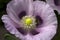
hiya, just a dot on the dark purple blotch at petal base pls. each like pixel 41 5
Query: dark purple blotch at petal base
pixel 43 0
pixel 57 2
pixel 21 14
pixel 34 0
pixel 34 32
pixel 22 31
pixel 40 0
pixel 39 20
pixel 25 32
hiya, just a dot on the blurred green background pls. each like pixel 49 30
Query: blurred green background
pixel 5 35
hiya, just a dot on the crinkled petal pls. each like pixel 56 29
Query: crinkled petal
pixel 29 7
pixel 45 12
pixel 53 5
pixel 14 8
pixel 10 26
pixel 47 33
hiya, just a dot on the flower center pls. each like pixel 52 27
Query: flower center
pixel 28 22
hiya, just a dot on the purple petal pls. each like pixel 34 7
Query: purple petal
pixel 11 27
pixel 45 12
pixel 30 7
pixel 14 8
pixel 55 4
pixel 47 33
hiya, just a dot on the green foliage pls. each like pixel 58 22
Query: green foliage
pixel 9 37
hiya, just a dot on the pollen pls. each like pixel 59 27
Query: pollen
pixel 28 21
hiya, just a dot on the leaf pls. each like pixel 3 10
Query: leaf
pixel 9 37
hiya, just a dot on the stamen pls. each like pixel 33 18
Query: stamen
pixel 28 22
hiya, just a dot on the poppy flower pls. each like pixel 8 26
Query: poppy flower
pixel 55 4
pixel 30 20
